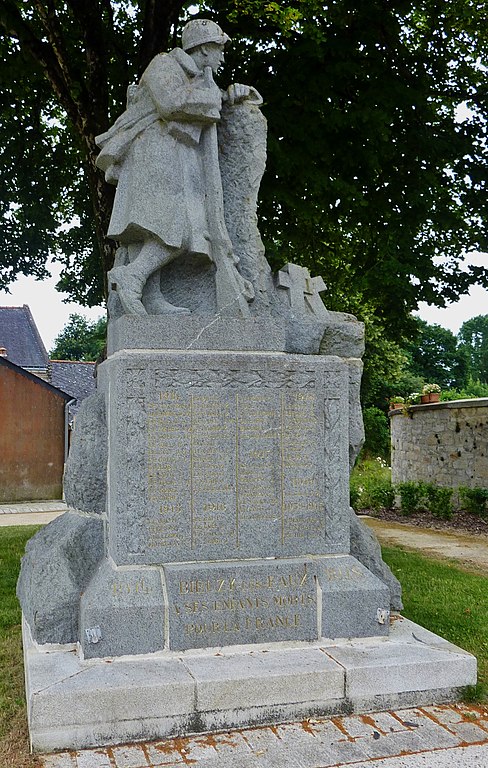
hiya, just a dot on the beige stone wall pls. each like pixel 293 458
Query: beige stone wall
pixel 445 443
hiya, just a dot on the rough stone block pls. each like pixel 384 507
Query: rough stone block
pixel 56 568
pixel 122 612
pixel 354 602
pixel 396 668
pixel 365 547
pixel 80 704
pixel 85 477
pixel 218 604
pixel 344 336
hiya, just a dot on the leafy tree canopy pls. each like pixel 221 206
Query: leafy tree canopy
pixel 473 337
pixel 80 339
pixel 373 180
pixel 436 357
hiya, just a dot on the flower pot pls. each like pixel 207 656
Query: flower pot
pixel 395 406
pixel 431 397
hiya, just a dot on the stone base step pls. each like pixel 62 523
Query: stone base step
pixel 75 704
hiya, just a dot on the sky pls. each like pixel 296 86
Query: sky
pixel 46 304
pixel 51 313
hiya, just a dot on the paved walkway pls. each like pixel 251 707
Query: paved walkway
pixel 31 512
pixel 453 736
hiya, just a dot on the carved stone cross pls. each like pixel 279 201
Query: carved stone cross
pixel 303 290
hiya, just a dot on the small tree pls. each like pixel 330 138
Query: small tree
pixel 80 339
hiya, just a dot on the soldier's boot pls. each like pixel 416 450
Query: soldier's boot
pixel 130 280
pixel 129 287
pixel 154 301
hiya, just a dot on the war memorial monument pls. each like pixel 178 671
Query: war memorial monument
pixel 210 572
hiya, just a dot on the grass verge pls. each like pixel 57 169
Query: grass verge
pixel 14 740
pixel 448 600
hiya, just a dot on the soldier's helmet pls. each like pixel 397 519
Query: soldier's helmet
pixel 201 31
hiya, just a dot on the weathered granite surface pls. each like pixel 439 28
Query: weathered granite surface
pixel 354 602
pixel 58 563
pixel 80 704
pixel 366 548
pixel 122 612
pixel 85 475
pixel 208 477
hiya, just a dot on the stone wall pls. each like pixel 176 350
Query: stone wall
pixel 442 443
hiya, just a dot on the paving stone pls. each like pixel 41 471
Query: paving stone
pixel 469 732
pixel 467 757
pixel 200 748
pixel 403 742
pixel 386 722
pixel 364 740
pixel 324 746
pixel 445 715
pixel 476 713
pixel 339 753
pixel 267 748
pixel 324 730
pixel 93 758
pixel 238 761
pixel 411 716
pixel 63 760
pixel 436 736
pixel 163 753
pixel 130 757
pixel 358 726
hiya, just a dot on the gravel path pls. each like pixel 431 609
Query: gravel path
pixel 470 551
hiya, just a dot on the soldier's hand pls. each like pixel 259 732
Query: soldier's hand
pixel 237 93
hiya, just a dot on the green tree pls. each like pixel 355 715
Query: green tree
pixel 371 175
pixel 435 356
pixel 473 338
pixel 80 339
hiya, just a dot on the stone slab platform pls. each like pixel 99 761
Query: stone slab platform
pixel 75 704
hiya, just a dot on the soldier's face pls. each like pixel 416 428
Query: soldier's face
pixel 214 55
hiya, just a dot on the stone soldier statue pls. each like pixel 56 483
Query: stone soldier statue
pixel 162 155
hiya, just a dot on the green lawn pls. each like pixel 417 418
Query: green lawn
pixel 437 595
pixel 447 600
pixel 14 751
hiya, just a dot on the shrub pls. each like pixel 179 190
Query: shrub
pixel 474 500
pixel 439 501
pixel 411 495
pixel 377 433
pixel 371 485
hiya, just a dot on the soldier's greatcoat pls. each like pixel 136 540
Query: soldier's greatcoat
pixel 153 153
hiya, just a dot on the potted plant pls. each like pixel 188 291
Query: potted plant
pixel 396 402
pixel 413 398
pixel 431 393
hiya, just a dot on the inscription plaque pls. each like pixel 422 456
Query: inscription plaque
pixel 218 604
pixel 230 461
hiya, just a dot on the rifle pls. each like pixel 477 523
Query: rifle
pixel 233 291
